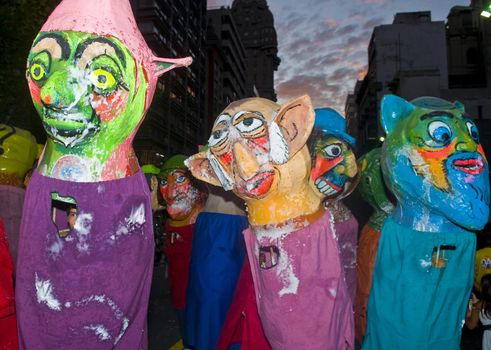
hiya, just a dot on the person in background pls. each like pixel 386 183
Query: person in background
pixel 159 215
pixel 184 197
pixel 480 311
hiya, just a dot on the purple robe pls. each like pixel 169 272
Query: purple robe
pixel 347 233
pixel 86 287
pixel 302 301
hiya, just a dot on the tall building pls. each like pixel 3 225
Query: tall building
pixel 256 27
pixel 226 79
pixel 174 123
pixel 407 58
pixel 415 56
pixel 469 65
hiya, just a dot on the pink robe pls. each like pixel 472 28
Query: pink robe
pixel 303 301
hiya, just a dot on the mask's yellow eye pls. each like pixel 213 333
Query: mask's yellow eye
pixel 37 71
pixel 103 80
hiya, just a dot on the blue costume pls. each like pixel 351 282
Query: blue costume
pixel 433 163
pixel 412 304
pixel 216 260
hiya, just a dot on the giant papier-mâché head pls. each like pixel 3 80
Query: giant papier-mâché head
pixel 182 193
pixel 432 159
pixel 334 171
pixel 92 77
pixel 18 151
pixel 371 186
pixel 257 148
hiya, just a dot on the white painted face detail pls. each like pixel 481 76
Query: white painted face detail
pixel 278 152
pixel 226 181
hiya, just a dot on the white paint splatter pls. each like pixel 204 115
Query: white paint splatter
pixel 100 189
pixel 126 322
pixel 425 263
pixel 286 274
pixel 99 330
pixel 134 220
pixel 333 292
pixel 56 248
pixel 137 216
pixel 83 225
pixel 44 293
pixel 274 232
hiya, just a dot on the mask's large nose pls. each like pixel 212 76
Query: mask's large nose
pixel 247 164
pixel 62 91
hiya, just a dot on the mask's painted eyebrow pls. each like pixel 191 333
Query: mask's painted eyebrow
pixel 44 43
pixel 83 46
pixel 436 114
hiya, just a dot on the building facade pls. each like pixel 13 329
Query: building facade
pixel 255 23
pixel 175 122
pixel 415 56
pixel 226 78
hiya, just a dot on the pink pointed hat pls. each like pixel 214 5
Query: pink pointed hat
pixel 112 18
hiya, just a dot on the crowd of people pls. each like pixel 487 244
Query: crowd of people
pixel 261 251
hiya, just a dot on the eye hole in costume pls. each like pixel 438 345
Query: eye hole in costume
pixel 268 257
pixel 440 132
pixel 163 182
pixel 473 131
pixel 63 213
pixel 333 151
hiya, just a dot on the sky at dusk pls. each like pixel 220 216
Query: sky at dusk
pixel 323 43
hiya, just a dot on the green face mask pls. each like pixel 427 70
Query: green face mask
pixel 90 95
pixel 372 188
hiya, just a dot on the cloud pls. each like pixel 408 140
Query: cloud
pixel 373 22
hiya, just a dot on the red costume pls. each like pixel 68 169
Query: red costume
pixel 177 250
pixel 242 325
pixel 8 323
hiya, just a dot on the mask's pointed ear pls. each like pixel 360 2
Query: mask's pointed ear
pixel 393 108
pixel 200 167
pixel 291 128
pixel 460 106
pixel 163 65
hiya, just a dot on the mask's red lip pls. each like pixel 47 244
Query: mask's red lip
pixel 469 166
pixel 258 185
